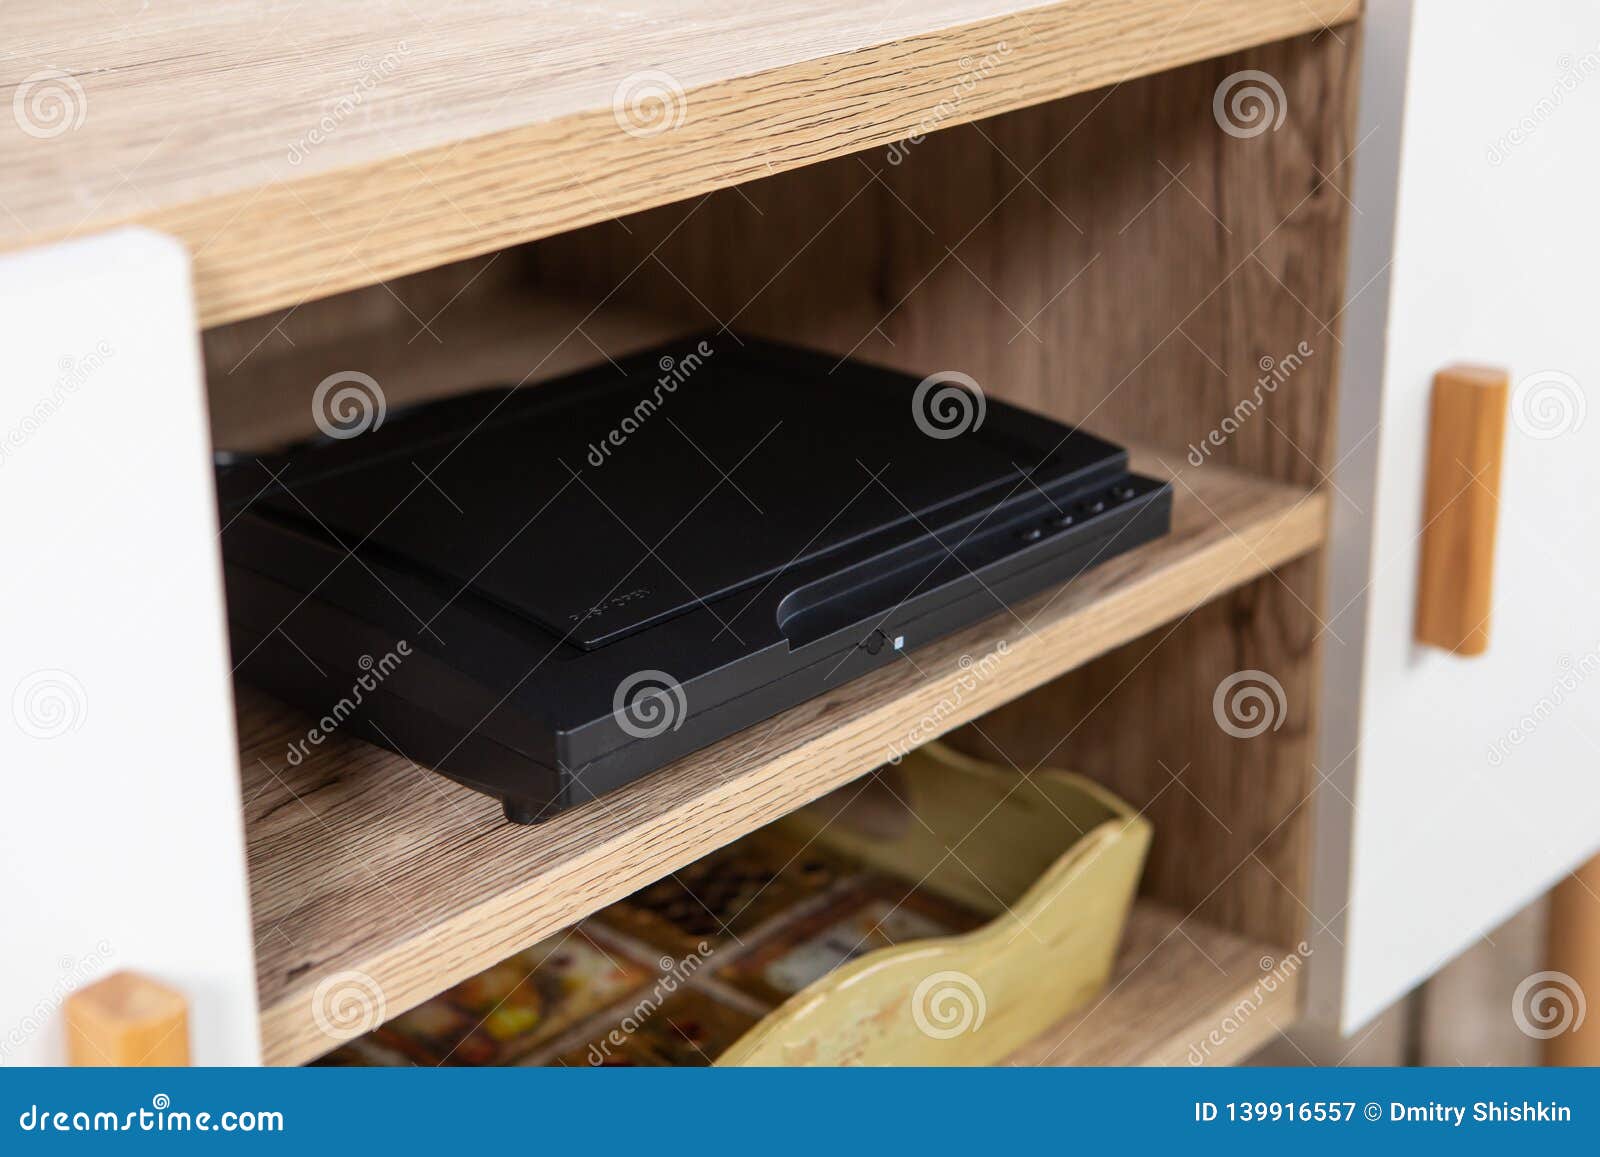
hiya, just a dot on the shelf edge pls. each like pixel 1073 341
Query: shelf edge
pixel 1183 993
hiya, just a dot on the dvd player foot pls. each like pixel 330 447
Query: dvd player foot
pixel 522 811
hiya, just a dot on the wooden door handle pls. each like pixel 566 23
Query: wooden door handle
pixel 1466 441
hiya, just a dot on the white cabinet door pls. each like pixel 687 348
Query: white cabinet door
pixel 1460 788
pixel 121 841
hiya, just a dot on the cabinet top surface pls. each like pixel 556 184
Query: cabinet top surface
pixel 123 104
pixel 226 119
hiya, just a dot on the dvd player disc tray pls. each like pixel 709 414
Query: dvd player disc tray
pixel 546 593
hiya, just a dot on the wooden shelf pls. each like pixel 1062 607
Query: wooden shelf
pixel 360 861
pixel 1183 993
pixel 303 153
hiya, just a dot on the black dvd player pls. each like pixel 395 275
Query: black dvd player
pixel 546 593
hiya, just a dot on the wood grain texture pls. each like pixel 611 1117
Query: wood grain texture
pixel 261 379
pixel 362 862
pixel 1461 508
pixel 1230 807
pixel 127 1020
pixel 1148 313
pixel 304 152
pixel 1182 993
pixel 1116 259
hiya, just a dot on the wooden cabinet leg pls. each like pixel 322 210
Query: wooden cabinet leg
pixel 127 1019
pixel 1573 948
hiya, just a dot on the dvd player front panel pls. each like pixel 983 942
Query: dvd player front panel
pixel 713 706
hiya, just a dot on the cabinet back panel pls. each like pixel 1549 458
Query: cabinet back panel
pixel 1115 258
pixel 1228 801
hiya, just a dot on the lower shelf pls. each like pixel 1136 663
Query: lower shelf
pixel 368 871
pixel 1183 993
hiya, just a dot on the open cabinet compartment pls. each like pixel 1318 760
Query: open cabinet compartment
pixel 1114 259
pixel 848 933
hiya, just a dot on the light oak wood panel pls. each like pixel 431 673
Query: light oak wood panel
pixel 361 862
pixel 262 373
pixel 1228 792
pixel 1114 258
pixel 1183 993
pixel 304 152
